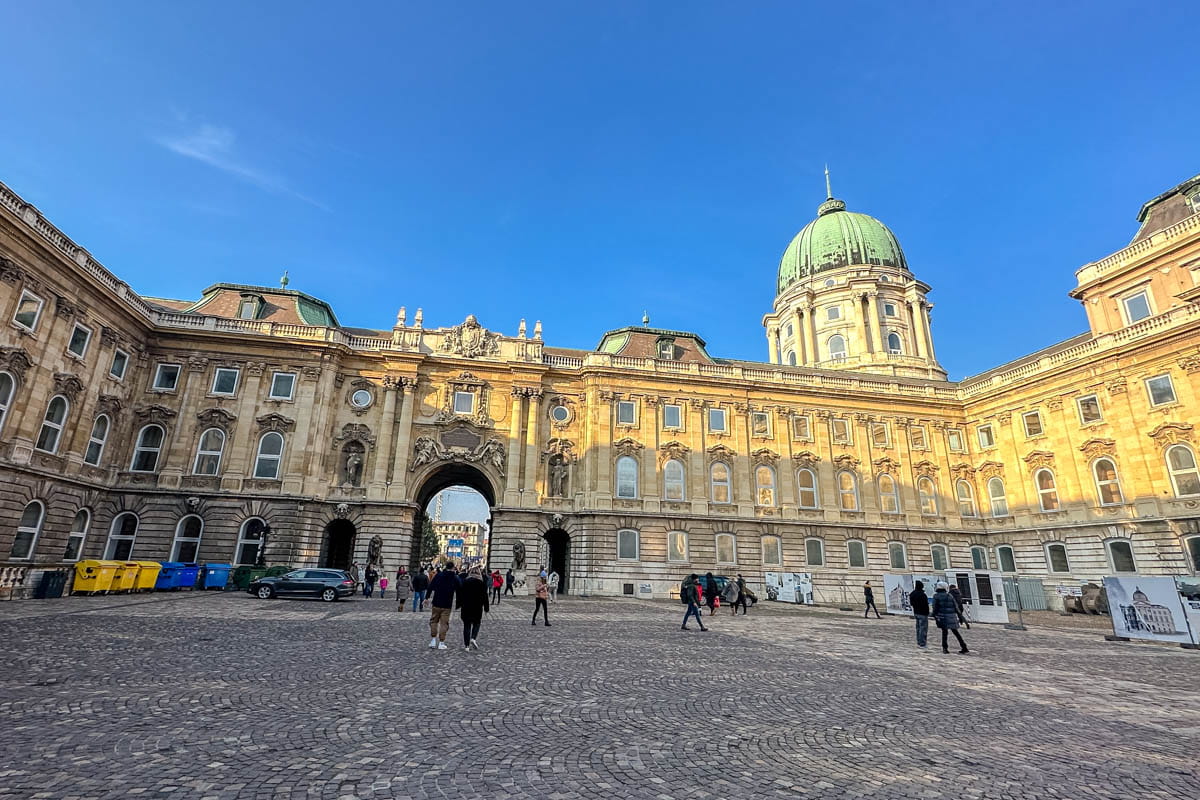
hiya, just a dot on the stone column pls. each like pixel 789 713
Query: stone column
pixel 773 345
pixel 697 463
pixel 604 465
pixel 800 339
pixel 860 316
pixel 877 340
pixel 915 315
pixel 383 454
pixel 512 470
pixel 743 469
pixel 529 494
pixel 926 327
pixel 407 389
pixel 810 337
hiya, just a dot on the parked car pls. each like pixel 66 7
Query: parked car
pixel 327 584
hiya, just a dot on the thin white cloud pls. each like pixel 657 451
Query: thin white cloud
pixel 214 145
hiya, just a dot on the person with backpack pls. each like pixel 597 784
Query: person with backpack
pixel 690 596
pixel 958 601
pixel 945 613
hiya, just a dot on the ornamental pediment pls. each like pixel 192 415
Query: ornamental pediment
pixel 1096 447
pixel 470 339
pixel 1171 433
pixel 1039 458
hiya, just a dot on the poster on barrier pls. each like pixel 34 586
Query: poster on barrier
pixel 789 587
pixel 1189 594
pixel 1144 607
pixel 897 588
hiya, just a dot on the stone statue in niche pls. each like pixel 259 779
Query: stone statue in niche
pixel 352 463
pixel 558 476
pixel 375 551
pixel 518 559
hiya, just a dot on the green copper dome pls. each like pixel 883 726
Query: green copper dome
pixel 838 238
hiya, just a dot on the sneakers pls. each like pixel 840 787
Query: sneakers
pixel 474 645
pixel 466 648
pixel 433 643
pixel 441 646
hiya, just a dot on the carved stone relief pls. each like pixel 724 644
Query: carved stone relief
pixel 470 339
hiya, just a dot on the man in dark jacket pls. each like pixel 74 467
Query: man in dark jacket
pixel 945 613
pixel 689 595
pixel 958 602
pixel 509 580
pixel 472 604
pixel 920 606
pixel 420 585
pixel 869 596
pixel 442 591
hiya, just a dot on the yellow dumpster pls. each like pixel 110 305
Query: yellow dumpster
pixel 93 577
pixel 147 575
pixel 126 576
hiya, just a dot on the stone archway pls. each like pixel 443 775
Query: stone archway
pixel 445 476
pixel 337 546
pixel 558 548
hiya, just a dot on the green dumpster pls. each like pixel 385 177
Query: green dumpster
pixel 244 575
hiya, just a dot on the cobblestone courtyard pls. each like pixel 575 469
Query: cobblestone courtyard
pixel 222 696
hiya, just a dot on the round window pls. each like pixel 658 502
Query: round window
pixel 560 413
pixel 361 398
pixel 830 282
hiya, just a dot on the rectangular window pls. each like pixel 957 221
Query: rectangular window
pixel 857 553
pixel 772 548
pixel 677 549
pixel 1137 307
pixel 119 364
pixel 978 558
pixel 801 427
pixel 833 312
pixel 1089 409
pixel 897 556
pixel 954 440
pixel 1033 424
pixel 29 311
pixel 726 549
pixel 166 377
pixel 889 309
pixel 716 420
pixel 879 434
pixel 986 437
pixel 1006 558
pixel 283 384
pixel 760 424
pixel 225 381
pixel 1162 391
pixel 626 412
pixel 80 337
pixel 672 416
pixel 814 552
pixel 464 402
pixel 840 429
pixel 917 435
pixel 627 545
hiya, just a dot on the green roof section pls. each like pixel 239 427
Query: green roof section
pixel 838 238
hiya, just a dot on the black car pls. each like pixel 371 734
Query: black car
pixel 327 584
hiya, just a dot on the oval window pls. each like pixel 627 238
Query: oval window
pixel 560 414
pixel 361 398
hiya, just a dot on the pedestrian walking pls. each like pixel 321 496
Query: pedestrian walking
pixel 920 606
pixel 369 584
pixel 404 588
pixel 710 593
pixel 742 594
pixel 689 594
pixel 356 572
pixel 869 597
pixel 383 584
pixel 945 614
pixel 420 587
pixel 472 605
pixel 443 590
pixel 730 595
pixel 497 581
pixel 552 581
pixel 542 593
pixel 958 603
pixel 509 580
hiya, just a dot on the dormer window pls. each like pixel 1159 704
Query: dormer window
pixel 249 307
pixel 666 348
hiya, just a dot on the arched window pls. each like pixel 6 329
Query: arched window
pixel 927 495
pixel 764 485
pixel 978 557
pixel 856 552
pixel 1181 464
pixel 250 539
pixel 1108 487
pixel 1056 557
pixel 677 546
pixel 772 551
pixel 120 537
pixel 208 452
pixel 837 347
pixel 897 555
pixel 966 499
pixel 847 490
pixel 726 548
pixel 889 498
pixel 78 534
pixel 1120 555
pixel 893 342
pixel 270 454
pixel 997 497
pixel 814 552
pixel 806 480
pixel 187 539
pixel 28 528
pixel 6 393
pixel 149 445
pixel 627 545
pixel 627 477
pixel 1047 492
pixel 95 448
pixel 719 478
pixel 52 424
pixel 1192 546
pixel 1006 558
pixel 791 357
pixel 941 557
pixel 673 479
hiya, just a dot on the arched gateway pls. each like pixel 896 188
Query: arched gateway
pixel 445 476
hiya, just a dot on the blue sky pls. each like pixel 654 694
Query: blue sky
pixel 579 163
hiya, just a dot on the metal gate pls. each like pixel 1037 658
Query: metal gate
pixel 1033 595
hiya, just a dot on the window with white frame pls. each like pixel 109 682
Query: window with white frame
pixel 889 497
pixel 95 446
pixel 1108 485
pixel 673 416
pixel 893 344
pixel 837 347
pixel 1192 546
pixel 1137 307
pixel 166 377
pixel 941 557
pixel 1089 409
pixel 847 490
pixel 1120 555
pixel 1047 491
pixel 1181 466
pixel 806 482
pixel 760 424
pixel 987 438
pixel 120 362
pixel 927 496
pixel 250 539
pixel 225 380
pixel 627 477
pixel 965 493
pixel 186 547
pixel 718 475
pixel 270 456
pixel 856 553
pixel 81 336
pixel 121 535
pixel 916 435
pixel 716 420
pixel 897 555
pixel 814 552
pixel 283 386
pixel 1033 423
pixel 833 312
pixel 77 535
pixel 52 425
pixel 764 485
pixel 954 440
pixel 978 557
pixel 889 309
pixel 464 402
pixel 627 545
pixel 1006 558
pixel 1056 557
pixel 7 384
pixel 840 430
pixel 726 548
pixel 148 448
pixel 677 546
pixel 626 412
pixel 208 452
pixel 879 435
pixel 802 427
pixel 673 479
pixel 248 308
pixel 29 311
pixel 1161 390
pixel 997 497
pixel 772 551
pixel 28 528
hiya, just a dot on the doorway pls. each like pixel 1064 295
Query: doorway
pixel 339 544
pixel 454 518
pixel 559 544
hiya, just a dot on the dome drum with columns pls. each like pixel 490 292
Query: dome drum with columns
pixel 847 300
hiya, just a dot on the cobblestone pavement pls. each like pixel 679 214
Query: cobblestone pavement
pixel 225 696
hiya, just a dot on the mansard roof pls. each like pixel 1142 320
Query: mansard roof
pixel 278 305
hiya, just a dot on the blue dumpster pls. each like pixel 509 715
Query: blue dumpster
pixel 215 576
pixel 168 577
pixel 188 575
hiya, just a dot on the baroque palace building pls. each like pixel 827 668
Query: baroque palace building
pixel 250 419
